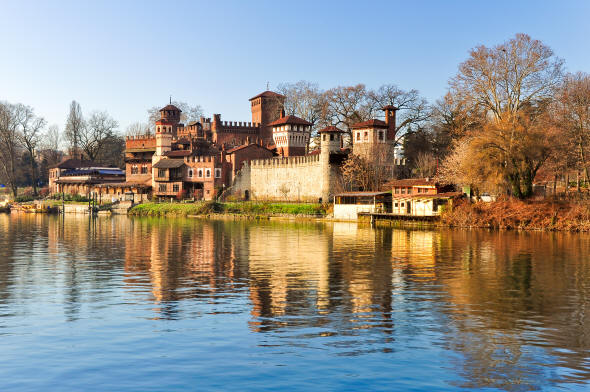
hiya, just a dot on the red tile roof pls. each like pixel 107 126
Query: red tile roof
pixel 232 150
pixel 170 107
pixel 331 129
pixel 267 94
pixel 290 120
pixel 178 153
pixel 374 123
pixel 411 182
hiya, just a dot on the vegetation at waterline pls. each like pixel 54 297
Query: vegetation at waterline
pixel 238 208
pixel 511 213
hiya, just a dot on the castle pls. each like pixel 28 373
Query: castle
pixel 267 158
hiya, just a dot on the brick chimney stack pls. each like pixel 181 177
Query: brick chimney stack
pixel 390 111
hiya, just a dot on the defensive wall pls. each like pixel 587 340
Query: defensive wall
pixel 298 178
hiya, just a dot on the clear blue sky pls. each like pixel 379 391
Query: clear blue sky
pixel 126 56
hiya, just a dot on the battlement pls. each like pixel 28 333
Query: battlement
pixel 141 137
pixel 285 161
pixel 142 141
pixel 236 125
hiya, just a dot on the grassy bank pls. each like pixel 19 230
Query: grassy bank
pixel 517 214
pixel 244 208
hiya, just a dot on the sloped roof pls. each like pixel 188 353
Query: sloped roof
pixel 169 164
pixel 178 153
pixel 411 182
pixel 267 94
pixel 232 150
pixel 170 107
pixel 290 120
pixel 331 129
pixel 374 123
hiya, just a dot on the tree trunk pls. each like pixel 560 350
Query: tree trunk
pixel 567 183
pixel 33 173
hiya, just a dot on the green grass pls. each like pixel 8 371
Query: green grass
pixel 243 208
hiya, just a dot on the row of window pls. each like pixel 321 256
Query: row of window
pixel 191 173
pixel 291 138
pixel 135 169
pixel 366 136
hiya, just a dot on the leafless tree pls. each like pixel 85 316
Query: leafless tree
pixel 97 133
pixel 138 129
pixel 425 165
pixel 9 145
pixel 413 109
pixel 347 105
pixel 75 126
pixel 572 111
pixel 29 135
pixel 508 77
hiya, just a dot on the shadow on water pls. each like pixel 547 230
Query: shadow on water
pixel 502 310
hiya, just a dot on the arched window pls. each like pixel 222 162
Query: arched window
pixel 200 173
pixel 190 173
pixel 358 136
pixel 208 173
pixel 157 129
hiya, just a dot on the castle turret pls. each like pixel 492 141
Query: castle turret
pixel 390 112
pixel 163 137
pixel 330 146
pixel 291 135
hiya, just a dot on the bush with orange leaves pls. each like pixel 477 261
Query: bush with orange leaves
pixel 512 213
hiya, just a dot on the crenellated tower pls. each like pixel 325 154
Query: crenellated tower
pixel 266 107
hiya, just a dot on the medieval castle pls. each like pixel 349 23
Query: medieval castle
pixel 265 159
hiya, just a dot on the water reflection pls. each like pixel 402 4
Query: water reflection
pixel 502 310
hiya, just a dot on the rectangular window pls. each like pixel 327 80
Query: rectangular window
pixel 397 190
pixel 381 135
pixel 175 188
pixel 358 136
pixel 162 187
pixel 144 169
pixel 217 173
pixel 366 135
pixel 161 173
pixel 403 190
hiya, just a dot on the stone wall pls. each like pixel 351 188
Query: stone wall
pixel 282 179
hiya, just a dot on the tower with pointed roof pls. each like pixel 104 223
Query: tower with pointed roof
pixel 291 135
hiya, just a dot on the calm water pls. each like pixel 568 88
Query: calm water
pixel 163 305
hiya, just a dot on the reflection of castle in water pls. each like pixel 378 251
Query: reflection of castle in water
pixel 344 279
pixel 509 293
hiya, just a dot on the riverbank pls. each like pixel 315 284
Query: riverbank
pixel 246 209
pixel 549 215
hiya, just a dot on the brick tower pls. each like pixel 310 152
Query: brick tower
pixel 266 107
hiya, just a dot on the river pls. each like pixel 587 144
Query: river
pixel 144 304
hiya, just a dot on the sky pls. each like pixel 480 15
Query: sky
pixel 124 57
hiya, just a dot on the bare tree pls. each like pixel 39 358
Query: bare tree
pixel 29 134
pixel 413 109
pixel 97 133
pixel 505 91
pixel 347 105
pixel 9 145
pixel 137 129
pixel 572 110
pixel 425 165
pixel 75 126
pixel 508 77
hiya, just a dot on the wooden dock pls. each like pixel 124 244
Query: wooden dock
pixel 372 217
